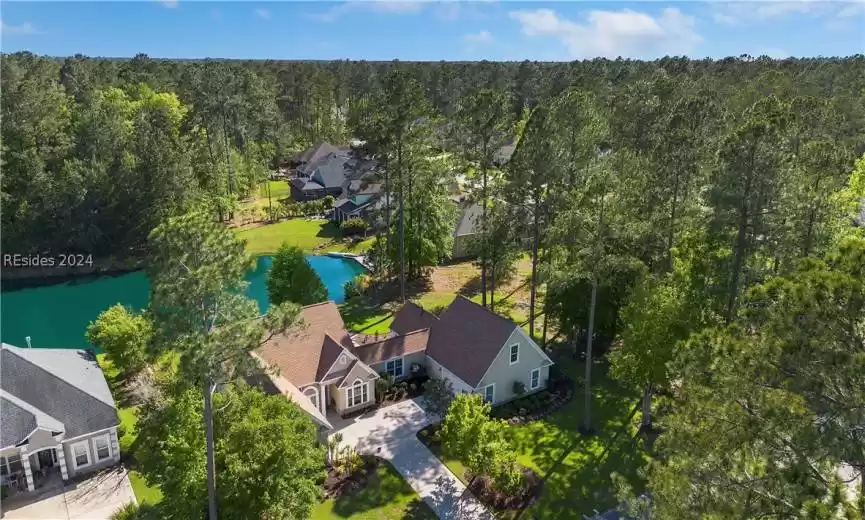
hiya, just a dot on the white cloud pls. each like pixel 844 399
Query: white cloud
pixel 448 11
pixel 263 13
pixel 851 10
pixel 479 37
pixel 739 13
pixel 380 6
pixel 171 4
pixel 24 28
pixel 614 33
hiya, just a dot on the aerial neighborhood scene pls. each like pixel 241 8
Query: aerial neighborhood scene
pixel 416 260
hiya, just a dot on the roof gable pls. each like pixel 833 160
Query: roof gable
pixel 357 371
pixel 467 338
pixel 304 353
pixel 411 317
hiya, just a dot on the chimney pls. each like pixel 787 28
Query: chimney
pixel 27 339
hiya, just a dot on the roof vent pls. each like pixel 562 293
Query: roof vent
pixel 27 339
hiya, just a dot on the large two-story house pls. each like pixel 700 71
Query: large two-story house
pixel 329 371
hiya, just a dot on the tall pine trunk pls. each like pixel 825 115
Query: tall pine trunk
pixel 587 389
pixel 209 387
pixel 401 225
pixel 484 245
pixel 741 242
pixel 646 422
pixel 587 422
pixel 535 245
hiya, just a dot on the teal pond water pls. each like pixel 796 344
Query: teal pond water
pixel 57 315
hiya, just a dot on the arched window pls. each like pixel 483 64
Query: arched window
pixel 357 394
pixel 312 394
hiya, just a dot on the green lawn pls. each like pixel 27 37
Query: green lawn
pixel 128 416
pixel 362 316
pixel 386 497
pixel 577 469
pixel 278 190
pixel 306 234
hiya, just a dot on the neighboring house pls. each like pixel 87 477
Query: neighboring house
pixel 328 176
pixel 467 228
pixel 57 415
pixel 326 370
pixel 304 162
pixel 503 154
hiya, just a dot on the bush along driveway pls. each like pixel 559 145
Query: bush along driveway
pixel 390 433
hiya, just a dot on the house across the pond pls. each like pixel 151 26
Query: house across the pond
pixel 330 372
pixel 57 416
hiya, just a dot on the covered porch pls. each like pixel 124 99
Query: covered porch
pixel 23 471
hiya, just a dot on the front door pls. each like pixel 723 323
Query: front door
pixel 47 458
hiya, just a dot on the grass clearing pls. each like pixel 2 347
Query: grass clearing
pixel 386 497
pixel 309 235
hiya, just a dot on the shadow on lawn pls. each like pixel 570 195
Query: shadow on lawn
pixel 576 468
pixel 379 491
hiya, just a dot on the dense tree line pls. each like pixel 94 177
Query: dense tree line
pixel 692 219
pixel 96 151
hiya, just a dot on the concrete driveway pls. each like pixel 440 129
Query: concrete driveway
pixel 390 433
pixel 94 498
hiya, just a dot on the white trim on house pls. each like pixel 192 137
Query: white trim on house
pixel 90 434
pixel 492 399
pixel 449 371
pixel 107 438
pixel 511 360
pixel 393 360
pixel 344 352
pixel 532 379
pixel 86 444
pixel 351 392
pixel 537 347
pixel 314 389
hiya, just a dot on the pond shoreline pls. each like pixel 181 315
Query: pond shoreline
pixel 20 277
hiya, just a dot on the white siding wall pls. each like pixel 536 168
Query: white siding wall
pixel 503 374
pixel 94 464
pixel 434 369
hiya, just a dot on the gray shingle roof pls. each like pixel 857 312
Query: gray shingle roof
pixel 16 425
pixel 315 152
pixel 65 385
pixel 331 172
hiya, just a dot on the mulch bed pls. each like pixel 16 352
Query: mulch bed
pixel 337 484
pixel 560 394
pixel 482 488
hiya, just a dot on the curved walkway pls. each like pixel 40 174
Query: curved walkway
pixel 390 433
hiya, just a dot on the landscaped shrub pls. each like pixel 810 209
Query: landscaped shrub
pixel 519 388
pixel 357 286
pixel 354 225
pixel 508 478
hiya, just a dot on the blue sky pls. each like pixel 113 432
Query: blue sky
pixel 428 30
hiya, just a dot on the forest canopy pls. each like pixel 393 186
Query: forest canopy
pixel 97 151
